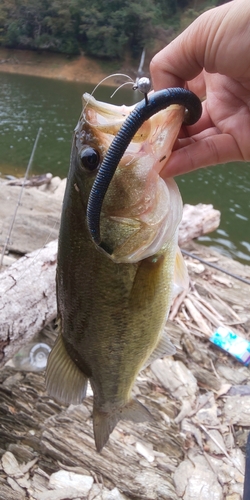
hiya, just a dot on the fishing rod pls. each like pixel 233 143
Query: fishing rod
pixel 146 108
pixel 218 268
pixel 20 196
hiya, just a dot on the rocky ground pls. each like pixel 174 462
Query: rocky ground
pixel 200 399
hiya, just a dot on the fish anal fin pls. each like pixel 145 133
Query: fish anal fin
pixel 104 422
pixel 163 348
pixel 65 382
pixel 136 411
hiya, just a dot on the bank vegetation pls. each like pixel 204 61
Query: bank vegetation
pixel 108 29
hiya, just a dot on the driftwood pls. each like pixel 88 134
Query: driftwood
pixel 27 298
pixel 34 180
pixel 197 220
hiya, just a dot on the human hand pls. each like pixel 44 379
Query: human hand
pixel 211 58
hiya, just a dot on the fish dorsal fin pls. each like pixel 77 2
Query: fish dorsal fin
pixel 105 422
pixel 163 348
pixel 64 381
pixel 181 278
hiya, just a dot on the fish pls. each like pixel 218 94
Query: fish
pixel 113 305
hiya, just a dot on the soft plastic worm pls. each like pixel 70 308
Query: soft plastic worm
pixel 142 112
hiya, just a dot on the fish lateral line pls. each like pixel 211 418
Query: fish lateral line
pixel 144 110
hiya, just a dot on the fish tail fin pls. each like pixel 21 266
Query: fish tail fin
pixel 104 422
pixel 64 381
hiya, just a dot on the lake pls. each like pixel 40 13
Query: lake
pixel 27 103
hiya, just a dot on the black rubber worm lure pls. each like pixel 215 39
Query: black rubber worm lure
pixel 142 112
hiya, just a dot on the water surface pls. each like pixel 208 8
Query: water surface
pixel 27 103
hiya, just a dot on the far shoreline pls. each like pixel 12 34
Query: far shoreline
pixel 56 66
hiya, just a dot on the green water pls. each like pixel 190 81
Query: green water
pixel 27 103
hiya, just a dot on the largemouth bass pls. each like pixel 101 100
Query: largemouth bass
pixel 112 306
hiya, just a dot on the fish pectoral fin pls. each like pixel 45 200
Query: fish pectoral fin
pixel 181 278
pixel 64 381
pixel 163 348
pixel 104 423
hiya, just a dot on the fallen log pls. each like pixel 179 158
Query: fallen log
pixel 197 220
pixel 27 299
pixel 27 287
pixel 33 181
pixel 37 219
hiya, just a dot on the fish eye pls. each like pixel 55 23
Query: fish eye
pixel 90 159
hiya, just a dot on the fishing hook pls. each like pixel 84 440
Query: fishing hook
pixel 143 84
pixel 142 112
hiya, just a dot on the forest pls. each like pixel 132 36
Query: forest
pixel 108 29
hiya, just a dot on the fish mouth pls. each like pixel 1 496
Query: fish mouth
pixel 155 137
pixel 128 191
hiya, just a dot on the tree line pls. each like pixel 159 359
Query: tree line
pixel 101 28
